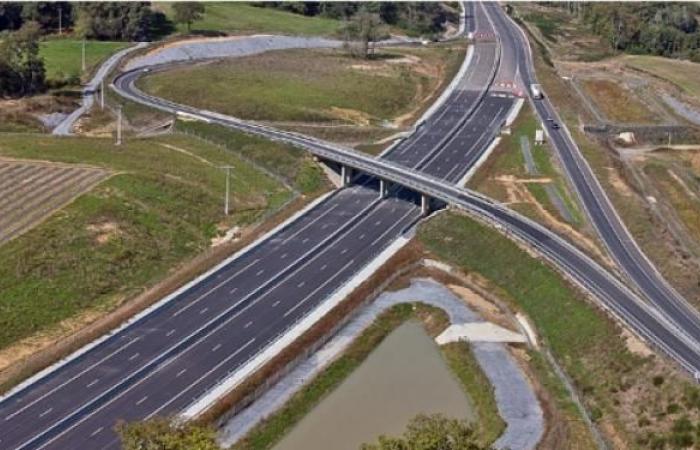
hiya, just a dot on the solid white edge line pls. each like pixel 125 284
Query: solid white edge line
pixel 205 402
pixel 479 162
pixel 81 351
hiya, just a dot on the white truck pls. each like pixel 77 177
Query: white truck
pixel 536 90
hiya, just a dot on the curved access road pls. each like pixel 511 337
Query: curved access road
pixel 608 224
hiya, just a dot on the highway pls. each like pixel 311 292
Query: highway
pixel 647 322
pixel 609 226
pixel 168 358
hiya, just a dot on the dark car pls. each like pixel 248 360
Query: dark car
pixel 555 125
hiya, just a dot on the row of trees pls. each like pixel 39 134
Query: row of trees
pixel 416 18
pixel 121 21
pixel 665 29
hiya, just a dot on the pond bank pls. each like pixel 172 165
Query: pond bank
pixel 516 401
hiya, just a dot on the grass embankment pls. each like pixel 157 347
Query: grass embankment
pixel 162 207
pixel 293 164
pixel 637 400
pixel 505 174
pixel 617 103
pixel 620 185
pixel 325 93
pixel 242 18
pixel 678 193
pixel 460 359
pixel 293 85
pixel 63 57
pixel 563 34
pixel 683 74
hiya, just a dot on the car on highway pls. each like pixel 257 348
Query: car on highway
pixel 536 90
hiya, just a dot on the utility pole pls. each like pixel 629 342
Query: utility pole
pixel 119 125
pixel 83 54
pixel 60 18
pixel 102 94
pixel 228 176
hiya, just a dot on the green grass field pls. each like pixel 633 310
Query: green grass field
pixel 683 74
pixel 242 18
pixel 63 57
pixel 297 85
pixel 161 207
pixel 292 164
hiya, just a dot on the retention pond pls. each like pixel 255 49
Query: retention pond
pixel 404 376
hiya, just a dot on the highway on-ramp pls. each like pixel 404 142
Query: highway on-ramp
pixel 610 227
pixel 168 358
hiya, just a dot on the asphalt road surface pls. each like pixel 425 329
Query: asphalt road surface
pixel 170 357
pixel 618 240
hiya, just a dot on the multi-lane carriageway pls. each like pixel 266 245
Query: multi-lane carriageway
pixel 170 357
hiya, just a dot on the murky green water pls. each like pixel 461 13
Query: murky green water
pixel 403 377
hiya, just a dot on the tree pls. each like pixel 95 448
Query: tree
pixel 159 434
pixel 21 68
pixel 363 29
pixel 188 12
pixel 435 432
pixel 128 21
pixel 10 15
pixel 46 14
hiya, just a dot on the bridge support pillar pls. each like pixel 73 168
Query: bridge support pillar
pixel 345 175
pixel 424 204
pixel 383 188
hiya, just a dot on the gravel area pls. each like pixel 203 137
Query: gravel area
pixel 683 109
pixel 517 402
pixel 530 164
pixel 227 47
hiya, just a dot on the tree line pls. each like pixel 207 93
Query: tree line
pixel 415 18
pixel 114 21
pixel 656 28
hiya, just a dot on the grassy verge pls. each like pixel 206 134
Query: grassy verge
pixel 288 162
pixel 683 201
pixel 616 103
pixel 461 360
pixel 271 431
pixel 294 85
pixel 621 186
pixel 162 207
pixel 683 74
pixel 507 162
pixel 242 18
pixel 63 57
pixel 324 93
pixel 616 383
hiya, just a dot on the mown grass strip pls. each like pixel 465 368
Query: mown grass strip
pixel 63 57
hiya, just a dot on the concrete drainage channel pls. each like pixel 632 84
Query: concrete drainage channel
pixel 515 397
